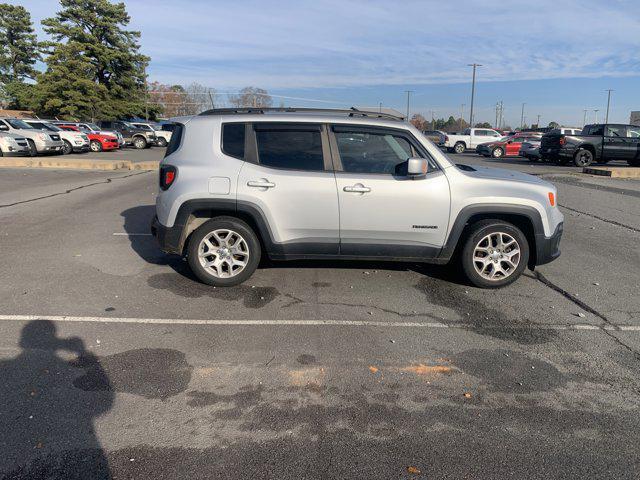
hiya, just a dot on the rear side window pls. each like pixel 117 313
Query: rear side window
pixel 291 149
pixel 176 139
pixel 233 139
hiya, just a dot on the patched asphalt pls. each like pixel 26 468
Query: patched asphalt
pixel 536 380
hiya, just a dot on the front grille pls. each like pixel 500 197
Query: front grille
pixel 55 137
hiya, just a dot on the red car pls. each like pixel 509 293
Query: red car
pixel 98 141
pixel 506 146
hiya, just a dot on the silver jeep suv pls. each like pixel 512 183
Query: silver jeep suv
pixel 237 184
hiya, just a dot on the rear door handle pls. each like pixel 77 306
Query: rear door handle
pixel 359 188
pixel 261 184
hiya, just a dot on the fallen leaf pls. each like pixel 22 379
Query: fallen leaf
pixel 467 395
pixel 413 470
pixel 422 369
pixel 373 369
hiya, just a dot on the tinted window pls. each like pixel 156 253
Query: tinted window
pixel 616 131
pixel 633 132
pixel 372 152
pixel 297 150
pixel 596 130
pixel 105 124
pixel 233 139
pixel 176 139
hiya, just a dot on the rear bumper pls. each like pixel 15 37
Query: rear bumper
pixel 548 248
pixel 556 152
pixel 168 238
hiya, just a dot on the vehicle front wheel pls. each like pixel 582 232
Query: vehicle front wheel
pixel 583 158
pixel 33 151
pixel 67 148
pixel 162 142
pixel 495 254
pixel 459 147
pixel 224 252
pixel 497 152
pixel 95 146
pixel 140 143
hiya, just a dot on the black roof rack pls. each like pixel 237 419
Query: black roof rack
pixel 352 112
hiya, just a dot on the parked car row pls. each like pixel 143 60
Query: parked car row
pixel 39 136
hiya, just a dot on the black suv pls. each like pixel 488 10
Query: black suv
pixel 135 136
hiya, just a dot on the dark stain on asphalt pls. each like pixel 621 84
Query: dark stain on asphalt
pixel 306 359
pixel 109 309
pixel 483 320
pixel 509 371
pixel 148 372
pixel 247 397
pixel 251 296
pixel 320 284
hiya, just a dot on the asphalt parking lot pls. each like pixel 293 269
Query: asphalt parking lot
pixel 116 363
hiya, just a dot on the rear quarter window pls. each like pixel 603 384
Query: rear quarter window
pixel 176 139
pixel 233 139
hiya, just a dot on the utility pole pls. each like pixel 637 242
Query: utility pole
pixel 380 107
pixel 496 122
pixel 584 119
pixel 473 91
pixel 433 121
pixel 596 112
pixel 522 117
pixel 211 98
pixel 538 122
pixel 501 115
pixel 408 92
pixel 608 103
pixel 461 114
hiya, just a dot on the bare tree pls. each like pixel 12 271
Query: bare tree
pixel 251 97
pixel 419 122
pixel 199 98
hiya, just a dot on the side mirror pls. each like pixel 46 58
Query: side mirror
pixel 417 167
pixel 4 128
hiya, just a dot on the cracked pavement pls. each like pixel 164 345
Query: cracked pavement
pixel 413 371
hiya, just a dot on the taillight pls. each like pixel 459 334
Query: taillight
pixel 552 199
pixel 562 141
pixel 167 176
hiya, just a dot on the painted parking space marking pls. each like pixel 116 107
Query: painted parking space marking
pixel 328 323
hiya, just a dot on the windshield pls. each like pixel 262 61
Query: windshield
pixel 92 127
pixel 19 124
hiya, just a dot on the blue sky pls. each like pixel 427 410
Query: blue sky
pixel 556 56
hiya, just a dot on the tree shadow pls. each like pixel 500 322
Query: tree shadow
pixel 43 417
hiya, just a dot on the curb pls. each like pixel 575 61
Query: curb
pixel 28 162
pixel 613 172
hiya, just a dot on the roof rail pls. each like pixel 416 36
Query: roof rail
pixel 352 112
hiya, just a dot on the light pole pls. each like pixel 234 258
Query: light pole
pixel 461 114
pixel 473 90
pixel 522 116
pixel 584 119
pixel 380 107
pixel 408 92
pixel 538 122
pixel 596 112
pixel 606 120
pixel 497 107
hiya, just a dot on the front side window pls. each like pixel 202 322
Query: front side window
pixel 290 149
pixel 233 139
pixel 372 152
pixel 616 131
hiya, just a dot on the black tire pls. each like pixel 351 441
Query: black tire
pixel 162 142
pixel 634 162
pixel 476 234
pixel 449 150
pixel 33 151
pixel 229 223
pixel 497 152
pixel 95 146
pixel 140 143
pixel 67 148
pixel 583 158
pixel 459 147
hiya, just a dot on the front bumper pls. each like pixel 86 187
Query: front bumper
pixel 168 238
pixel 80 148
pixel 49 147
pixel 548 248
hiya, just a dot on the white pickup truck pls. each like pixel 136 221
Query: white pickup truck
pixel 470 138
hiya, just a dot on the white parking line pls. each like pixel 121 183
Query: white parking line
pixel 334 323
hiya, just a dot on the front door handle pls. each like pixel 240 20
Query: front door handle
pixel 261 184
pixel 358 188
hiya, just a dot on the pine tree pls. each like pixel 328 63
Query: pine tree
pixel 19 52
pixel 95 30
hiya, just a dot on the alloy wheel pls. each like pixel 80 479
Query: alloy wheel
pixel 223 253
pixel 496 256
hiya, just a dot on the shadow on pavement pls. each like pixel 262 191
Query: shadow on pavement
pixel 43 417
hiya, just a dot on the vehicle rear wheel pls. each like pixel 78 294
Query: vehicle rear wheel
pixel 140 143
pixel 459 147
pixel 95 146
pixel 497 152
pixel 33 151
pixel 67 148
pixel 162 142
pixel 224 252
pixel 495 254
pixel 583 158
